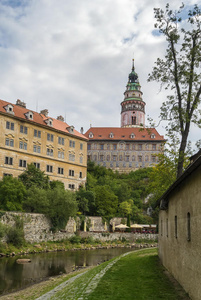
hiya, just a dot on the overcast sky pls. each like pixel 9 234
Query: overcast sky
pixel 73 57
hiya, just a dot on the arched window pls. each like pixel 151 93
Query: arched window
pixel 175 227
pixel 188 226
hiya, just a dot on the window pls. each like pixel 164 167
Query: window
pixel 133 146
pixel 9 125
pixel 133 157
pixel 50 137
pixel 80 175
pixel 154 147
pixel 37 133
pixel 114 157
pixel 49 168
pixel 101 157
pixel 71 186
pixel 6 174
pixel 8 160
pixel 61 154
pixel 89 147
pixel 95 157
pixel 153 136
pixel 49 152
pixel 81 146
pixel 161 227
pixel 23 145
pixel 127 146
pixel 188 226
pixel 71 173
pixel 61 140
pixel 114 147
pixel 146 158
pixel 167 227
pixel 60 170
pixel 71 157
pixel 81 159
pixel 9 142
pixel 153 158
pixel 108 146
pixel 101 147
pixel 127 158
pixel 23 129
pixel 36 148
pixel 140 158
pixel 108 158
pixel 175 227
pixel 140 147
pixel 37 165
pixel 120 157
pixel 72 144
pixel 22 163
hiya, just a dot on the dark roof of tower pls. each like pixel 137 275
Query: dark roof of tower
pixel 133 77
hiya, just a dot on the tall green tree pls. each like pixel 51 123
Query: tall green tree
pixel 34 177
pixel 12 194
pixel 179 71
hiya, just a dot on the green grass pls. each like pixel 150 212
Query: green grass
pixel 138 275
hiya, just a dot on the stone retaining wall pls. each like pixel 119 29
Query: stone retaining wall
pixel 37 228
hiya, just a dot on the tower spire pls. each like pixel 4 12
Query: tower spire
pixel 133 68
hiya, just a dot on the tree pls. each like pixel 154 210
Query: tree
pixel 62 205
pixel 180 71
pixel 12 194
pixel 106 201
pixel 34 177
pixel 125 207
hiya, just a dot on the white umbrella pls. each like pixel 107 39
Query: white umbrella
pixel 121 226
pixel 136 226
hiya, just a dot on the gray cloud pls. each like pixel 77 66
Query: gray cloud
pixel 74 57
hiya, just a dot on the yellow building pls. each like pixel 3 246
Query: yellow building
pixel 51 144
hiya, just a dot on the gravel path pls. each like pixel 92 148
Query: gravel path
pixel 87 287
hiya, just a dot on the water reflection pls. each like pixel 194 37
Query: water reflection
pixel 14 276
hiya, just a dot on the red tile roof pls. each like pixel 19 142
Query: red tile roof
pixel 38 118
pixel 141 134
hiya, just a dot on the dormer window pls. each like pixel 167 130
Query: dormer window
pixel 49 122
pixel 91 135
pixel 153 136
pixel 70 129
pixel 132 136
pixel 9 109
pixel 111 135
pixel 29 115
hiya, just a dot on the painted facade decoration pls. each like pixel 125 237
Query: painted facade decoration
pixel 51 144
pixel 131 146
pixel 180 229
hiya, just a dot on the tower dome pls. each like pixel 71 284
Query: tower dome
pixel 133 107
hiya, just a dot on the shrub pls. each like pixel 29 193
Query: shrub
pixel 2 230
pixel 76 239
pixel 15 234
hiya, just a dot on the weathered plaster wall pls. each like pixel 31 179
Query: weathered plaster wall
pixel 182 257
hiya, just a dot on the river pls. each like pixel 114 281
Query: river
pixel 14 276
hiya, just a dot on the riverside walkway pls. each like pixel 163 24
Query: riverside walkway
pixel 133 275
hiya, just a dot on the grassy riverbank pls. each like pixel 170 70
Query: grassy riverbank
pixel 136 275
pixel 68 244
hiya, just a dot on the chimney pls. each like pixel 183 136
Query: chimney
pixel 20 103
pixel 44 112
pixel 60 118
pixel 81 130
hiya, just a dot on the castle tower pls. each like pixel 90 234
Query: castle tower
pixel 133 107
